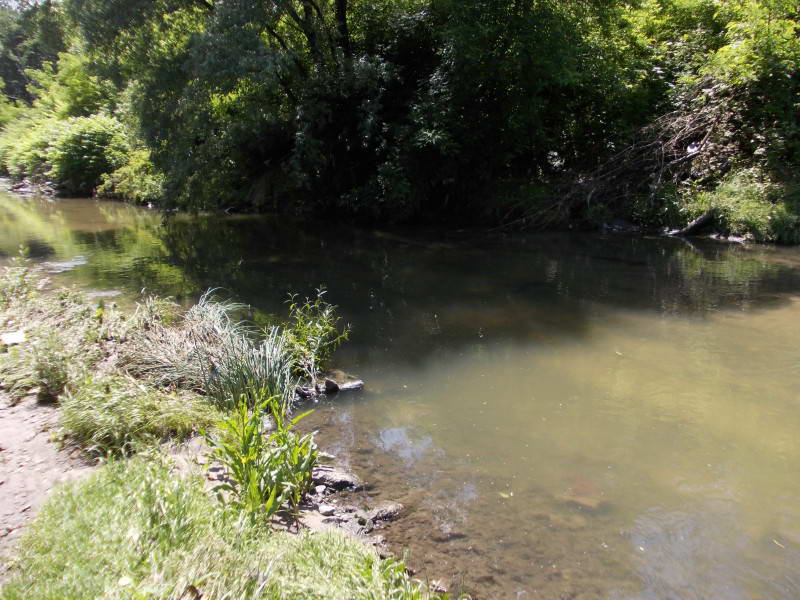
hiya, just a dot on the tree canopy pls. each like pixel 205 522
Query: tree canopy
pixel 396 110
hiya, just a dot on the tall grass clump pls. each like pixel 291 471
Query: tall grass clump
pixel 182 354
pixel 137 529
pixel 209 350
pixel 114 414
pixel 265 470
pixel 250 370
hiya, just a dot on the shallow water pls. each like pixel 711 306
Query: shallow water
pixel 563 416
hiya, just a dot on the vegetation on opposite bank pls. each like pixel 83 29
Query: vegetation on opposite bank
pixel 126 384
pixel 532 114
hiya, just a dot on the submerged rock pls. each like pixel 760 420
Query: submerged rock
pixel 341 382
pixel 336 478
pixel 385 511
pixel 585 501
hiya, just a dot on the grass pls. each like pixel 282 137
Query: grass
pixel 115 414
pixel 137 530
pixel 209 351
pixel 748 203
pixel 63 332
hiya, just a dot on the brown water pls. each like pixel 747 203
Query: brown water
pixel 563 416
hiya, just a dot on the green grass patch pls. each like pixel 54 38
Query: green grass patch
pixel 116 414
pixel 137 530
pixel 748 203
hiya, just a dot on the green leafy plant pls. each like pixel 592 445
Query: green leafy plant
pixel 313 334
pixel 264 471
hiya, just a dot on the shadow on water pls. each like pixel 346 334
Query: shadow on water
pixel 563 416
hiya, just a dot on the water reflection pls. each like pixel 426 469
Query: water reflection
pixel 395 440
pixel 563 416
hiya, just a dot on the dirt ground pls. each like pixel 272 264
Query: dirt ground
pixel 30 465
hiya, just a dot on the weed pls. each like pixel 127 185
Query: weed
pixel 264 470
pixel 313 334
pixel 17 281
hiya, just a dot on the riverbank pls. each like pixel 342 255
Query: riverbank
pixel 116 400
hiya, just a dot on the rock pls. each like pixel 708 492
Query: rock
pixel 570 522
pixel 437 587
pixel 585 502
pixel 385 511
pixel 12 339
pixel 326 510
pixel 351 385
pixel 320 489
pixel 345 381
pixel 331 387
pixel 305 392
pixel 336 478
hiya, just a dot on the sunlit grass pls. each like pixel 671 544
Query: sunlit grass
pixel 137 529
pixel 117 414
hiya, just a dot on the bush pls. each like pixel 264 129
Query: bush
pixel 749 203
pixel 74 152
pixel 135 529
pixel 137 180
pixel 85 149
pixel 115 414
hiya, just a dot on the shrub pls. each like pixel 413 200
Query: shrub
pixel 115 414
pixel 137 180
pixel 25 146
pixel 85 149
pixel 73 152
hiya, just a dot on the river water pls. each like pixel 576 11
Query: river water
pixel 564 416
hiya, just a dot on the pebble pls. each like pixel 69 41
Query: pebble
pixel 326 510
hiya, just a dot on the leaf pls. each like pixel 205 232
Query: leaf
pixel 301 416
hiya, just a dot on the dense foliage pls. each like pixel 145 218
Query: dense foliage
pixel 526 112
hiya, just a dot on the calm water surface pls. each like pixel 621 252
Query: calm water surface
pixel 563 416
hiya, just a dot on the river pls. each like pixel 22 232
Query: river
pixel 564 416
